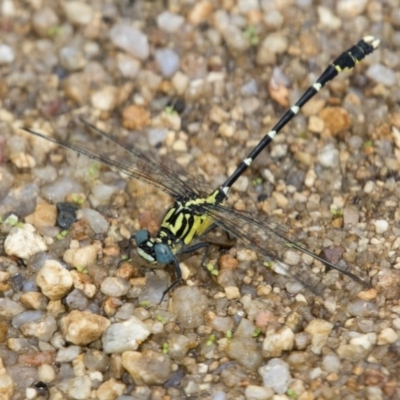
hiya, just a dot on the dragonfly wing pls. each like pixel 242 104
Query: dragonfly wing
pixel 268 238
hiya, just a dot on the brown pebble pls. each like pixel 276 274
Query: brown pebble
pixel 126 271
pixel 367 295
pixel 200 12
pixel 112 251
pixel 228 262
pixel 336 119
pixel 135 117
pixel 36 359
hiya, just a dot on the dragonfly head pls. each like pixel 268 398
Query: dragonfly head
pixel 151 249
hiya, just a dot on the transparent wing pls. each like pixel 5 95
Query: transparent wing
pixel 166 176
pixel 268 238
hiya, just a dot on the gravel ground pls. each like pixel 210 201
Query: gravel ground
pixel 201 83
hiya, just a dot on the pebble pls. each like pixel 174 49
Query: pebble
pixel 82 257
pixel 316 124
pixel 24 242
pixel 115 286
pixel 368 295
pixel 328 156
pixel 350 8
pixel 253 392
pixel 54 280
pixel 34 300
pixel 319 331
pixel 135 117
pixel 76 88
pixel 46 373
pixel 105 99
pixel 66 214
pixel 41 329
pixel 124 336
pixel 9 308
pixel 7 54
pixel 168 61
pixel 351 216
pixel 127 65
pixel 130 40
pixel 336 119
pixel 77 300
pixel 362 308
pixel 83 327
pixel 110 390
pixel 387 336
pixel 148 367
pixel 379 73
pixel 67 354
pixel 78 12
pixel 235 39
pixel 79 388
pixel 328 19
pixel 276 375
pixel 331 363
pixel 57 191
pixel 6 383
pixel 245 352
pixel 44 215
pixel 72 58
pixel 170 22
pixel 275 343
pixel 381 226
pixel 200 12
pixel 188 303
pixel 180 82
pixel 44 20
pixel 96 221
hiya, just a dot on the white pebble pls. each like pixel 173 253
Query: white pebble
pixel 387 336
pixel 130 40
pixel 24 242
pixel 169 22
pixel 381 226
pixel 54 280
pixel 127 65
pixel 105 99
pixel 167 60
pixel 379 73
pixel 7 54
pixel 78 12
pixel 276 375
pixel 124 336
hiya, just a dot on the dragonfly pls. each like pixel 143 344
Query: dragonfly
pixel 195 210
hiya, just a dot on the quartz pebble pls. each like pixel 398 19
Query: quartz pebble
pixel 189 304
pixel 123 336
pixel 78 12
pixel 275 343
pixel 319 331
pixel 131 40
pixel 276 375
pixel 82 257
pixel 7 54
pixel 167 60
pixel 115 286
pixel 54 280
pixel 83 327
pixel 148 367
pixel 24 242
pixel 170 22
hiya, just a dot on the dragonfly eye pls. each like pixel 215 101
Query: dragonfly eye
pixel 142 236
pixel 163 253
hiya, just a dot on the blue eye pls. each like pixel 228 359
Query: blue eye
pixel 163 253
pixel 142 236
